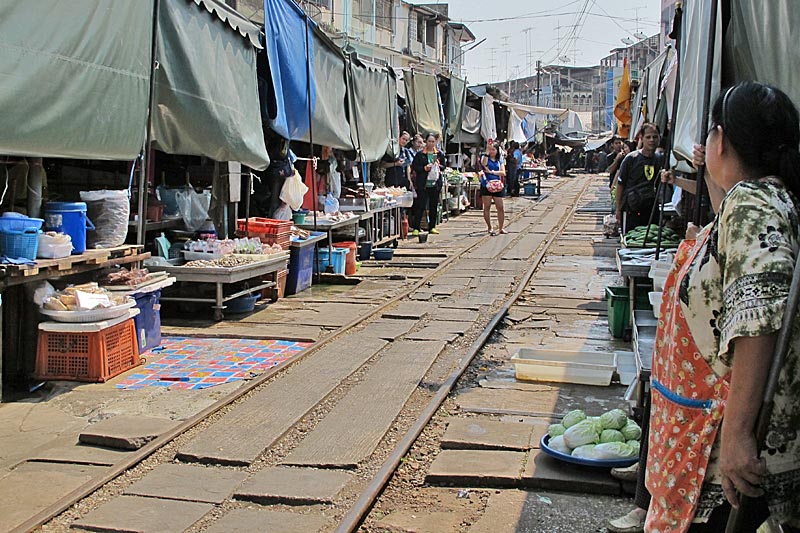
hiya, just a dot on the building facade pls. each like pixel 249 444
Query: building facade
pixel 387 32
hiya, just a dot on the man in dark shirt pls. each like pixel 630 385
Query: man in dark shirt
pixel 615 157
pixel 638 178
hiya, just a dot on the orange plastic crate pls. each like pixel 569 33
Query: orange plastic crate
pixel 87 356
pixel 258 225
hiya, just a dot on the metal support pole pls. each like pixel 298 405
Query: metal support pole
pixel 701 173
pixel 146 173
pixel 538 80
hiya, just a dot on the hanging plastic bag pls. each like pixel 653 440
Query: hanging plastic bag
pixel 284 212
pixel 293 191
pixel 193 207
pixel 331 204
pixel 433 175
pixel 109 210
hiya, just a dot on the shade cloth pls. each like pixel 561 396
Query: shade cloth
pixel 488 120
pixel 454 110
pixel 67 85
pixel 422 93
pixel 373 110
pixel 206 87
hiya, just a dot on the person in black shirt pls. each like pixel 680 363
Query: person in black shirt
pixel 396 167
pixel 637 183
pixel 427 185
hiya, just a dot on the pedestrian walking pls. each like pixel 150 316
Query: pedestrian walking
pixel 636 186
pixel 428 166
pixel 493 188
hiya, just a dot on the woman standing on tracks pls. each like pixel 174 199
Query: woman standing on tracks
pixel 493 188
pixel 427 168
pixel 723 306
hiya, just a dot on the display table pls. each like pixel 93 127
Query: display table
pixel 383 225
pixel 528 174
pixel 329 228
pixel 221 276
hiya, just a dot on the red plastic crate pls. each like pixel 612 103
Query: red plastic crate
pixel 258 225
pixel 87 356
pixel 282 239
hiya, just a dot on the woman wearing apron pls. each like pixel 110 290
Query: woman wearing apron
pixel 722 308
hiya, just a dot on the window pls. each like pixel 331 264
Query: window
pixel 430 33
pixel 384 12
pixel 322 3
pixel 421 29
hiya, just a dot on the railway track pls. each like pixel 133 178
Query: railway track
pixel 299 441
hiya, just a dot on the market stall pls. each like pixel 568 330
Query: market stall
pixel 225 271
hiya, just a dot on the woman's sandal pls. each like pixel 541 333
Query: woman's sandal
pixel 492 233
pixel 503 231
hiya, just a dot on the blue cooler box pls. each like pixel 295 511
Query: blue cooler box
pixel 148 321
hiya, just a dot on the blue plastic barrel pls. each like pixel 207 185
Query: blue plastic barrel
pixel 69 218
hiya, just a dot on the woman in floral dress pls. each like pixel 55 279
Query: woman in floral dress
pixel 722 308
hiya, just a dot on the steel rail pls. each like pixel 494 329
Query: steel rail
pixel 354 517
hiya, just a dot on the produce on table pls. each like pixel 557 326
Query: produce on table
pixel 635 237
pixel 573 417
pixel 614 419
pixel 584 432
pixel 610 436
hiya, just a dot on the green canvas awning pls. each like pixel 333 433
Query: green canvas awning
pixel 206 99
pixel 422 97
pixel 74 78
pixel 454 110
pixel 373 111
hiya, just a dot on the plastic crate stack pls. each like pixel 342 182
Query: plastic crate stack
pixel 269 231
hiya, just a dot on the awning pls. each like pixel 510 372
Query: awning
pixel 206 87
pixel 422 92
pixel 373 102
pixel 74 78
pixel 454 110
pixel 696 23
pixel 471 123
pixel 488 120
pixel 286 95
pixel 763 44
pixel 594 144
pixel 535 110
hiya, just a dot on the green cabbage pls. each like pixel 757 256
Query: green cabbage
pixel 613 450
pixel 614 419
pixel 584 452
pixel 611 435
pixel 584 432
pixel 634 444
pixel 556 429
pixel 573 417
pixel 631 431
pixel 557 444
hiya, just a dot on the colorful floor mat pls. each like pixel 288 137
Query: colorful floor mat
pixel 192 363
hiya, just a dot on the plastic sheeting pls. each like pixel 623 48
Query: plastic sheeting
pixel 488 121
pixel 456 99
pixel 206 88
pixel 422 93
pixel 693 64
pixel 515 130
pixel 763 43
pixel 373 111
pixel 74 78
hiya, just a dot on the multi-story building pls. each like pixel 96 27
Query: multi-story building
pixel 388 32
pixel 604 93
pixel 558 86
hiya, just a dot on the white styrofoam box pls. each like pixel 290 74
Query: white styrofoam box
pixel 564 366
pixel 655 300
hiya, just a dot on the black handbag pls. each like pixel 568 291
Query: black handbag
pixel 639 198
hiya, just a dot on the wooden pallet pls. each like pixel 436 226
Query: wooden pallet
pixel 59 266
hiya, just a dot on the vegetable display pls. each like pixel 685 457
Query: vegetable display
pixel 635 237
pixel 610 436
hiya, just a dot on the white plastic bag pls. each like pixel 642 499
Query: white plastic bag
pixel 109 212
pixel 293 191
pixel 193 207
pixel 284 212
pixel 433 175
pixel 331 204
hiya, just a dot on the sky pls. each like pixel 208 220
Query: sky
pixel 566 32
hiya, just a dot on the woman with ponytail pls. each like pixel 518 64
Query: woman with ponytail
pixel 722 309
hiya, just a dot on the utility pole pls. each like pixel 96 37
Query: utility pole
pixel 538 80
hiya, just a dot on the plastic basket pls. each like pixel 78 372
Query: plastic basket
pixel 87 356
pixel 258 225
pixel 335 259
pixel 619 310
pixel 529 189
pixel 19 244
